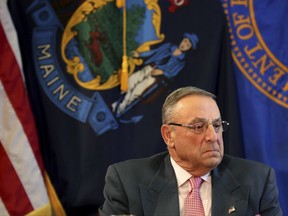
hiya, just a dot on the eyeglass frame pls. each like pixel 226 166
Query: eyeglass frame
pixel 205 126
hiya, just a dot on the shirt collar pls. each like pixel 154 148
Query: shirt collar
pixel 182 175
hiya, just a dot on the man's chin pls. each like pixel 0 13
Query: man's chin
pixel 213 159
pixel 212 154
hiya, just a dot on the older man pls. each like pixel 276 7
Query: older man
pixel 194 177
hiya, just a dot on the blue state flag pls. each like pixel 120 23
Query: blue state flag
pixel 72 53
pixel 260 48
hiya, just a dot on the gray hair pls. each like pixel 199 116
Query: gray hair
pixel 176 95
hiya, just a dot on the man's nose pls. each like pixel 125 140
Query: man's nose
pixel 210 133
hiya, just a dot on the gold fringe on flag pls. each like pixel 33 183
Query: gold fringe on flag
pixel 55 202
pixel 55 207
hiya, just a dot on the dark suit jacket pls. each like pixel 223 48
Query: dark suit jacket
pixel 148 187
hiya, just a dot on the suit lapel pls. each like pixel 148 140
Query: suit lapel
pixel 160 197
pixel 228 196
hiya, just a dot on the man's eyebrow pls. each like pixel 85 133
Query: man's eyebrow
pixel 196 120
pixel 218 119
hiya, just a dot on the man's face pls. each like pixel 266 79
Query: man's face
pixel 196 153
pixel 185 45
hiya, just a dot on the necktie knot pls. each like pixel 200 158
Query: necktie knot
pixel 195 182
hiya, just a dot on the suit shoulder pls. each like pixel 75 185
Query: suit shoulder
pixel 152 161
pixel 244 164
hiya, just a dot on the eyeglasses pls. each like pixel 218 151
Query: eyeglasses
pixel 201 127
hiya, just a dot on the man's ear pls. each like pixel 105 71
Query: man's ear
pixel 167 135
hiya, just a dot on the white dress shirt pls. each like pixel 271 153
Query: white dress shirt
pixel 183 177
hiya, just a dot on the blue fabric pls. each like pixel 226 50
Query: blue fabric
pixel 79 132
pixel 259 48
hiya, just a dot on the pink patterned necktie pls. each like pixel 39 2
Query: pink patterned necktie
pixel 193 204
